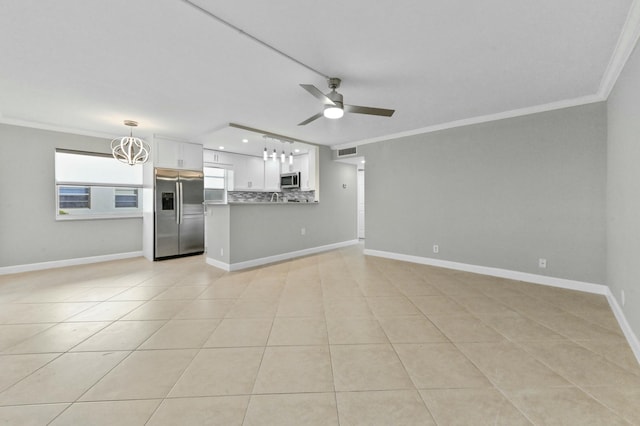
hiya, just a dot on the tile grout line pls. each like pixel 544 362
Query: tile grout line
pixel 494 385
pixel 326 328
pixel 186 366
pixel 255 380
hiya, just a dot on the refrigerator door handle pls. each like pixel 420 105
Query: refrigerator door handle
pixel 178 202
pixel 181 204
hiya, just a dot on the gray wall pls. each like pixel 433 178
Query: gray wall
pixel 499 194
pixel 258 231
pixel 29 232
pixel 623 190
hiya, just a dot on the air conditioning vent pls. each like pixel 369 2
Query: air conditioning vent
pixel 348 152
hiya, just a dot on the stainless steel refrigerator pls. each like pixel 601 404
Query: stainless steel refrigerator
pixel 179 213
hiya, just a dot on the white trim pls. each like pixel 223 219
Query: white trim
pixel 632 339
pixel 218 264
pixel 624 47
pixel 584 100
pixel 66 217
pixel 602 289
pixel 278 257
pixel 53 127
pixel 495 272
pixel 67 262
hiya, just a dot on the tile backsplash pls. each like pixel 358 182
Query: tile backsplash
pixel 264 197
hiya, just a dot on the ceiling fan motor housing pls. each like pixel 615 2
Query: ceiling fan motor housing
pixel 334 83
pixel 336 98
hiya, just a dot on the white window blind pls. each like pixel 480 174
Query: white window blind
pixel 76 167
pixel 96 186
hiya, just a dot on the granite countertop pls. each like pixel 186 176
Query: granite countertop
pixel 279 203
pixel 262 203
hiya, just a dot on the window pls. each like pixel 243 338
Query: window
pixel 214 184
pixel 74 197
pixel 214 177
pixel 126 197
pixel 93 186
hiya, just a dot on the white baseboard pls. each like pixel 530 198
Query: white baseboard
pixel 602 289
pixel 278 257
pixel 218 264
pixel 632 339
pixel 66 262
pixel 495 272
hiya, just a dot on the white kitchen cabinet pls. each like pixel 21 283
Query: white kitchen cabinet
pixel 312 170
pixel 230 179
pixel 272 175
pixel 248 173
pixel 305 165
pixel 177 155
pixel 218 157
pixel 240 173
pixel 304 172
pixel 297 165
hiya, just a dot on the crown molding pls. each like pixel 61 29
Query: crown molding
pixel 584 100
pixel 626 43
pixel 53 127
pixel 624 47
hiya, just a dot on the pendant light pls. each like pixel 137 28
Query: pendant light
pixel 290 158
pixel 274 154
pixel 265 153
pixel 282 157
pixel 128 149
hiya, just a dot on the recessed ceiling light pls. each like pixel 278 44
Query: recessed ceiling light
pixel 362 161
pixel 221 147
pixel 245 140
pixel 296 150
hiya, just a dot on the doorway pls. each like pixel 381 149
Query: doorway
pixel 360 196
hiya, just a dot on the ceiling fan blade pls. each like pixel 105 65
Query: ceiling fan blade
pixel 317 93
pixel 369 110
pixel 310 119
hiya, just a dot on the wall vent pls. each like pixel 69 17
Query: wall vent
pixel 348 152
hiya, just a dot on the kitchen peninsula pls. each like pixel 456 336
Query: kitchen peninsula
pixel 256 231
pixel 245 234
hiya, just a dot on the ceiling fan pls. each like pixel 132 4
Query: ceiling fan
pixel 333 105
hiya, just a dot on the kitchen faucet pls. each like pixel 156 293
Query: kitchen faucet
pixel 277 197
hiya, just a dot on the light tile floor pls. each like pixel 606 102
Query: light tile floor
pixel 335 338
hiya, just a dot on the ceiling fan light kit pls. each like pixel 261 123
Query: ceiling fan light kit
pixel 333 112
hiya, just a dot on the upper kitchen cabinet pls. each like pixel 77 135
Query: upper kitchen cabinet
pixel 218 157
pixel 271 175
pixel 177 155
pixel 305 164
pixel 248 173
pixel 312 176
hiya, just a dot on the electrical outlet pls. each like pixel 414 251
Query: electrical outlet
pixel 303 231
pixel 221 252
pixel 622 297
pixel 436 248
pixel 542 263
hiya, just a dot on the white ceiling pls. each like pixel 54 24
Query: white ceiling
pixel 85 66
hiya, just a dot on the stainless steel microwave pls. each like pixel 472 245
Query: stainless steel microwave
pixel 290 180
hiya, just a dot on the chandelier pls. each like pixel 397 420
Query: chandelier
pixel 128 149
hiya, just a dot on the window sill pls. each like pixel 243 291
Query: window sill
pixel 64 218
